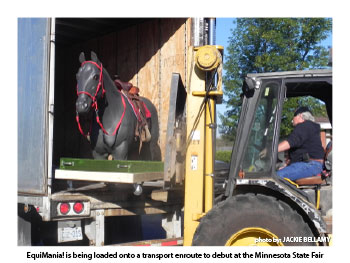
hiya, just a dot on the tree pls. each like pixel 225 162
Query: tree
pixel 267 45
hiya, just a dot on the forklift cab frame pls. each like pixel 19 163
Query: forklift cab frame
pixel 261 114
pixel 257 203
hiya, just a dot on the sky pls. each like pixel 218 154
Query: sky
pixel 224 25
pixel 223 32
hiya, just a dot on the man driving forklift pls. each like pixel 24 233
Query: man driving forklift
pixel 305 147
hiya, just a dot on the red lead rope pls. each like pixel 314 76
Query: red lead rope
pixel 118 124
pixel 94 103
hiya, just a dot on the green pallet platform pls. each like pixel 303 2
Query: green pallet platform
pixel 115 171
pixel 111 166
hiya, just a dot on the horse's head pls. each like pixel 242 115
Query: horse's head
pixel 89 83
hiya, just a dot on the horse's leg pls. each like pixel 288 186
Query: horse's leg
pixel 121 151
pixel 99 156
pixel 109 140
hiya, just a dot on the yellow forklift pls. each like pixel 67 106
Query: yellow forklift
pixel 254 207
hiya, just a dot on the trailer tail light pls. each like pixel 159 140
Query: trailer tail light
pixel 78 207
pixel 72 208
pixel 64 208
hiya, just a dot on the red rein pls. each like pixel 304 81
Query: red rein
pixel 94 102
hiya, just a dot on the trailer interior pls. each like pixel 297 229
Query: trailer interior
pixel 129 48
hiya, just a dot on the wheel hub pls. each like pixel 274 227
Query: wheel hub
pixel 253 236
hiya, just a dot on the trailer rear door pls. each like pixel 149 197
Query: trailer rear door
pixel 33 81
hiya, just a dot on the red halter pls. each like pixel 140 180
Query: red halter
pixel 94 102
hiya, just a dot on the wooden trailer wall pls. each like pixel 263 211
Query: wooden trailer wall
pixel 145 54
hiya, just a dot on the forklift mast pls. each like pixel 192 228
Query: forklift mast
pixel 204 92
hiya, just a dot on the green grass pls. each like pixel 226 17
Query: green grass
pixel 224 156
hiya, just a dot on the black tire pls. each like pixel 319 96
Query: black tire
pixel 256 211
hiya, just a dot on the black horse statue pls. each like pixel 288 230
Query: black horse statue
pixel 112 129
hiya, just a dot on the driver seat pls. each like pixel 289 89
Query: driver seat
pixel 324 175
pixel 316 182
pixel 312 180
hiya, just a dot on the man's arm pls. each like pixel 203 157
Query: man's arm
pixel 283 146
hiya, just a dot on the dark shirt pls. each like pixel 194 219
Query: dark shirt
pixel 305 138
